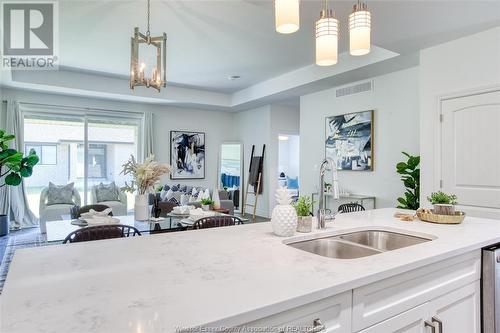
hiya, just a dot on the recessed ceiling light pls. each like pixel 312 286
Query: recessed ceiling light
pixel 233 77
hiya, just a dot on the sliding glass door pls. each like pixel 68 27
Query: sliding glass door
pixel 85 149
pixel 110 144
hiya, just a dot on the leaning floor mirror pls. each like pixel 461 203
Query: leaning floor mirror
pixel 230 172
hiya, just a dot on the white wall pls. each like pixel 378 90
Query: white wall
pixel 216 125
pixel 253 127
pixel 395 101
pixel 459 66
pixel 262 126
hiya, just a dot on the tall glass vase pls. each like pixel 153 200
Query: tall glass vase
pixel 141 207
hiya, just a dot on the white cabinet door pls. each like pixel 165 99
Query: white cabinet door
pixel 411 321
pixel 459 311
pixel 470 152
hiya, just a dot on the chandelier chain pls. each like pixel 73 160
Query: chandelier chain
pixel 148 15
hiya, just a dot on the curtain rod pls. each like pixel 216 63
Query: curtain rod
pixel 78 108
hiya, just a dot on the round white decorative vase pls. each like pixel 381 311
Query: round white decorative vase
pixel 141 207
pixel 284 216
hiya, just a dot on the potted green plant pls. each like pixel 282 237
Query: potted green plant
pixel 206 203
pixel 13 168
pixel 444 204
pixel 303 207
pixel 410 175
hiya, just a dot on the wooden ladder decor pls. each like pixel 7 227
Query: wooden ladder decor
pixel 257 185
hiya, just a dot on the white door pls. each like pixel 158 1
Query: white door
pixel 411 321
pixel 459 310
pixel 470 152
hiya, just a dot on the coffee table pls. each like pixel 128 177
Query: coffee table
pixel 58 230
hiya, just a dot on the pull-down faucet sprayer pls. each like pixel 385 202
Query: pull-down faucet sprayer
pixel 326 164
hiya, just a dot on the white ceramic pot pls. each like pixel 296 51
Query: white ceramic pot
pixel 444 209
pixel 205 207
pixel 141 207
pixel 304 224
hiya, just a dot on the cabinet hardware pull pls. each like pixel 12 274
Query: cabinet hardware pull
pixel 317 326
pixel 436 320
pixel 431 325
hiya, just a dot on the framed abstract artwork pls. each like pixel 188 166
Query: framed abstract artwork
pixel 187 155
pixel 349 140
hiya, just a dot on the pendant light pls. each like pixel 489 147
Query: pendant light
pixel 327 38
pixel 359 30
pixel 140 75
pixel 287 15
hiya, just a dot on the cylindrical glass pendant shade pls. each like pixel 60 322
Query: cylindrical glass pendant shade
pixel 359 30
pixel 287 16
pixel 327 28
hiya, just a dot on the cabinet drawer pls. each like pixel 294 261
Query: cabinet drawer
pixel 333 312
pixel 384 299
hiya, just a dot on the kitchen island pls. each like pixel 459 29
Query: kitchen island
pixel 242 275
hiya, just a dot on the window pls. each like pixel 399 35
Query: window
pixel 46 153
pixel 83 147
pixel 97 160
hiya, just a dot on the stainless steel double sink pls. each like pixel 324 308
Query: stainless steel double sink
pixel 357 244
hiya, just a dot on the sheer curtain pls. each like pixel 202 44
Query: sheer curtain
pixel 148 135
pixel 13 199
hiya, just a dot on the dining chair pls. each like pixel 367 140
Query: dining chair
pixel 96 207
pixel 216 221
pixel 350 207
pixel 101 232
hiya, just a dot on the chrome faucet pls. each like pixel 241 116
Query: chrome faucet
pixel 326 164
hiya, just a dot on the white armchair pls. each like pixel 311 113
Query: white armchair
pixel 55 212
pixel 119 208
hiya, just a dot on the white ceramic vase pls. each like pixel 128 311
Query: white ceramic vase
pixel 141 207
pixel 216 199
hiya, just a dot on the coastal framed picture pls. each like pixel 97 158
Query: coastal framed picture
pixel 349 140
pixel 187 155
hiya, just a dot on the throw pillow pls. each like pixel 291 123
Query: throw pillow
pixel 194 191
pixel 206 195
pixel 177 196
pixel 169 195
pixel 174 188
pixel 107 192
pixel 192 199
pixel 184 199
pixel 292 183
pixel 163 194
pixel 166 187
pixel 60 194
pixel 173 200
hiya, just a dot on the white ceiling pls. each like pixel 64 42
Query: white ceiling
pixel 210 40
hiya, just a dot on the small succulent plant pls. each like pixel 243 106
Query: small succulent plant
pixel 442 198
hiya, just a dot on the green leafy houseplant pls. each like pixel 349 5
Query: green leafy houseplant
pixel 13 165
pixel 444 204
pixel 303 206
pixel 206 202
pixel 410 175
pixel 442 198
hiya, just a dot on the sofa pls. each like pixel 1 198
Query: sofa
pixel 54 212
pixel 225 201
pixel 119 206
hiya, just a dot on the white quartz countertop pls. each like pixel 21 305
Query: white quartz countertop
pixel 213 277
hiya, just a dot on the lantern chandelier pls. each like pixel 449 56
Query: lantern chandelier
pixel 327 29
pixel 139 72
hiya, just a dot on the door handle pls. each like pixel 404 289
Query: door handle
pixel 431 325
pixel 317 326
pixel 436 320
